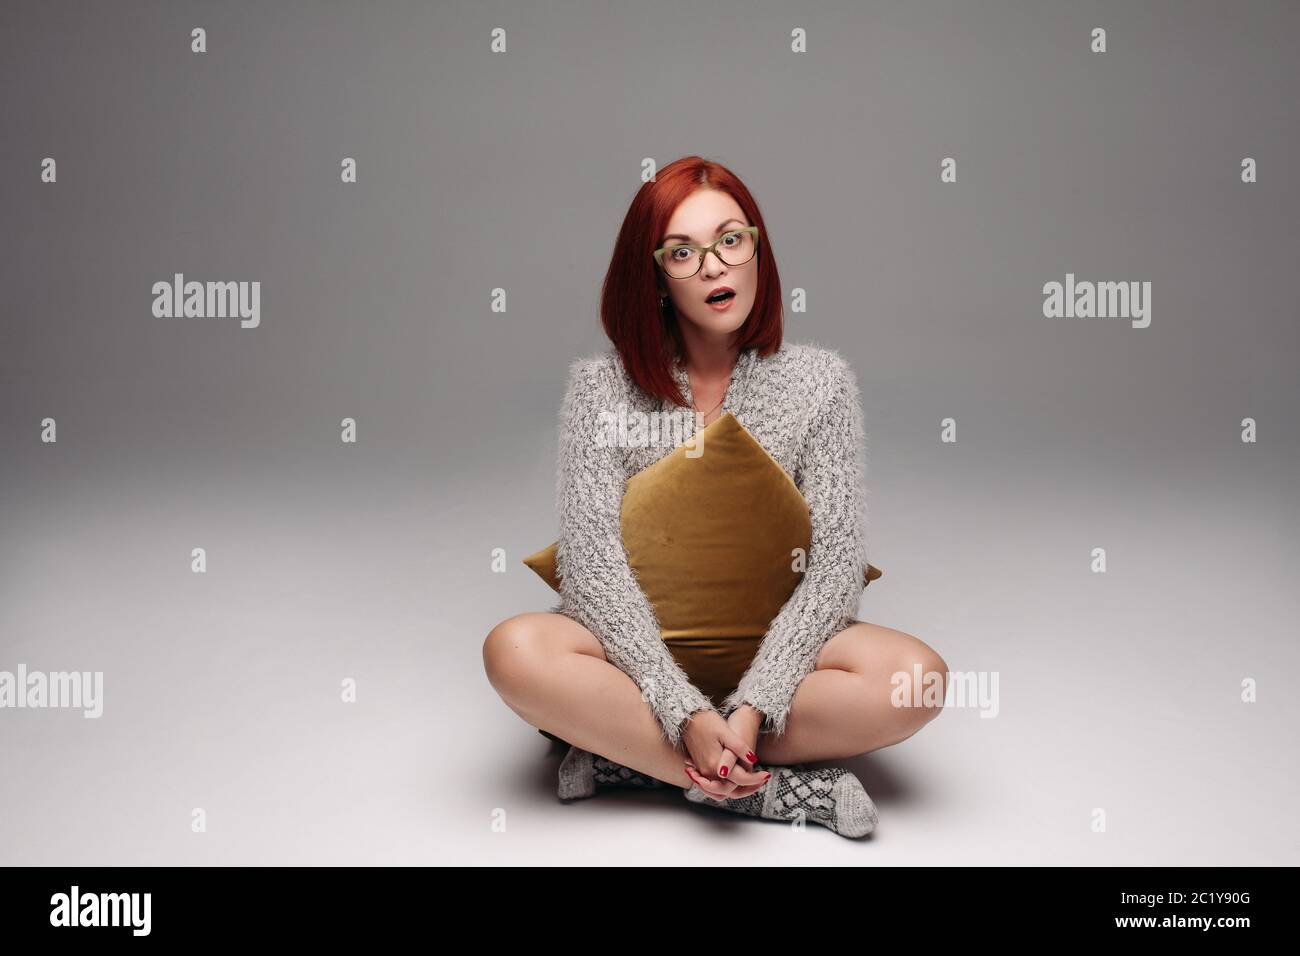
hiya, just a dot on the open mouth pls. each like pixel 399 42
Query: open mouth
pixel 720 297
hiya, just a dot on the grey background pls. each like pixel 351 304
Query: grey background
pixel 372 561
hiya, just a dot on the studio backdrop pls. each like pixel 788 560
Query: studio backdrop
pixel 252 537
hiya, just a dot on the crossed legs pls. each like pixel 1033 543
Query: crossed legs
pixel 552 672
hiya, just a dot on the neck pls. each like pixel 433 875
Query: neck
pixel 709 354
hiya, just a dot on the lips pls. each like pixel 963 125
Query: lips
pixel 721 293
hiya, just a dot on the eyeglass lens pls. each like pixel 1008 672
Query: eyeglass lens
pixel 734 248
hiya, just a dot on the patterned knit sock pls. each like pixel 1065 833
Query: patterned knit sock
pixel 833 797
pixel 581 772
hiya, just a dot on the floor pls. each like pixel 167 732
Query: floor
pixel 222 691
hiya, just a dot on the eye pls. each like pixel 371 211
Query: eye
pixel 680 253
pixel 731 235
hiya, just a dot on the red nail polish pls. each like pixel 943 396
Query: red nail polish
pixel 722 771
pixel 751 756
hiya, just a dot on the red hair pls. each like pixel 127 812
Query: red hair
pixel 646 335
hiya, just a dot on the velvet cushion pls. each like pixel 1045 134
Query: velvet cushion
pixel 711 538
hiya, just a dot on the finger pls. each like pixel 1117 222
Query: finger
pixel 761 779
pixel 742 792
pixel 737 772
pixel 725 764
pixel 748 781
pixel 717 756
pixel 705 787
pixel 712 778
pixel 737 745
pixel 710 782
pixel 746 754
pixel 747 778
pixel 718 791
pixel 711 785
pixel 742 776
pixel 713 771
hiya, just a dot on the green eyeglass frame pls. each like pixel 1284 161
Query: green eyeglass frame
pixel 705 250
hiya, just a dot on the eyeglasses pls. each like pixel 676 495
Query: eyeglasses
pixel 682 260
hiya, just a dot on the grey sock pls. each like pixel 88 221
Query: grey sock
pixel 833 797
pixel 581 772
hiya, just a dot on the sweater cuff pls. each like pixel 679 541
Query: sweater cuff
pixel 674 714
pixel 772 702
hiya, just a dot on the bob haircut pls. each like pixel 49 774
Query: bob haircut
pixel 646 333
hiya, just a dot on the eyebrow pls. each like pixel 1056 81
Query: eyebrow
pixel 678 235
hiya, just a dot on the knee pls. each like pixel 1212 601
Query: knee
pixel 914 657
pixel 509 652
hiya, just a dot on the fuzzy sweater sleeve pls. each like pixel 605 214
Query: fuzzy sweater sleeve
pixel 598 587
pixel 834 485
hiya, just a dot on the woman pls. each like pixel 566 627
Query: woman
pixel 692 305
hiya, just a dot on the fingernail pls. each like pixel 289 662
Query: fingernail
pixel 767 777
pixel 722 771
pixel 751 756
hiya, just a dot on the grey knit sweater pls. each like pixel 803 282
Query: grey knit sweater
pixel 802 404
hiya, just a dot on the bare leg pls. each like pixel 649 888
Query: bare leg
pixel 844 707
pixel 552 672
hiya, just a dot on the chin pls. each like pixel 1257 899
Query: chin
pixel 717 327
pixel 720 322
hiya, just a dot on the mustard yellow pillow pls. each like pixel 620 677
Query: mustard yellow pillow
pixel 711 538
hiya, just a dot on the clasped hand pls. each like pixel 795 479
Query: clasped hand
pixel 721 756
